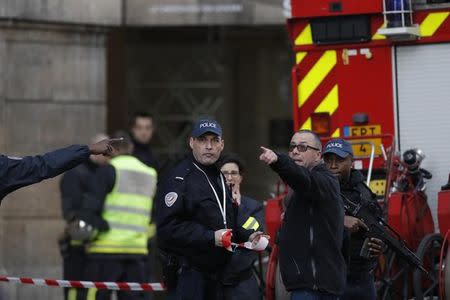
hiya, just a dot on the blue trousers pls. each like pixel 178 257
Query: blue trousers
pixel 194 285
pixel 107 269
pixel 360 289
pixel 305 294
pixel 247 289
pixel 74 264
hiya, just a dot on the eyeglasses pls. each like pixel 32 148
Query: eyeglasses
pixel 301 147
pixel 231 173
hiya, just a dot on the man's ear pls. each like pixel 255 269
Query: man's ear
pixel 319 154
pixel 191 142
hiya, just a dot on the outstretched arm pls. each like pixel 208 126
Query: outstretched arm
pixel 297 177
pixel 19 172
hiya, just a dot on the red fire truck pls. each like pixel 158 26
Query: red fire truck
pixel 378 73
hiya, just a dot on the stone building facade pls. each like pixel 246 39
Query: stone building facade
pixel 69 69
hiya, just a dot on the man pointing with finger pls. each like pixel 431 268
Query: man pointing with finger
pixel 311 262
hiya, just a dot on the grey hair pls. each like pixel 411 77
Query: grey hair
pixel 98 137
pixel 317 141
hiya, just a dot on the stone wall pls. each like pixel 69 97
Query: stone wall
pixel 148 12
pixel 52 93
pixel 205 12
pixel 97 12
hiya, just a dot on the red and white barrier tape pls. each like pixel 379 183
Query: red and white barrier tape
pixel 259 244
pixel 122 286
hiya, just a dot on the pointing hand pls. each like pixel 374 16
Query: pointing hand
pixel 104 146
pixel 268 156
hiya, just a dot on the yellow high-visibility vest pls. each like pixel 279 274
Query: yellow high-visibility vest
pixel 127 209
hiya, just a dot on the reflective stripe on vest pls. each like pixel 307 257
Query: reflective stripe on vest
pixel 91 294
pixel 72 294
pixel 251 223
pixel 127 209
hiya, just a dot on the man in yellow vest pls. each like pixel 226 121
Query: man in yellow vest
pixel 119 208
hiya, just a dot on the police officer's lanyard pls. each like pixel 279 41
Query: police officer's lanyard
pixel 223 209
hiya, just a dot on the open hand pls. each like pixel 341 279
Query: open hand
pixel 255 236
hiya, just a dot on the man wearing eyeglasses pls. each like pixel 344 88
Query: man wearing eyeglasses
pixel 311 261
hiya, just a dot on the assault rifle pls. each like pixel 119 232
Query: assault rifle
pixel 370 214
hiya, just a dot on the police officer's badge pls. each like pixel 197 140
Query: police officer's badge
pixel 170 198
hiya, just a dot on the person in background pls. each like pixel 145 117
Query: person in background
pixel 74 186
pixel 119 208
pixel 238 277
pixel 142 127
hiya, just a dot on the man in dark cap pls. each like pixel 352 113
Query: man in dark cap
pixel 338 157
pixel 195 215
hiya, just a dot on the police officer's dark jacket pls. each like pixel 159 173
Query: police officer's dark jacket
pixel 74 188
pixel 19 172
pixel 240 265
pixel 188 215
pixel 357 191
pixel 144 153
pixel 100 186
pixel 312 231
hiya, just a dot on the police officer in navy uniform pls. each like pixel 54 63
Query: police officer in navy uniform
pixel 239 278
pixel 19 172
pixel 338 157
pixel 195 213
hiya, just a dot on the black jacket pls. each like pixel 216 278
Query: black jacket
pixel 19 172
pixel 100 186
pixel 74 188
pixel 188 215
pixel 312 231
pixel 144 153
pixel 357 191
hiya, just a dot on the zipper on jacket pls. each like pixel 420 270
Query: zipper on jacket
pixel 295 263
pixel 311 240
